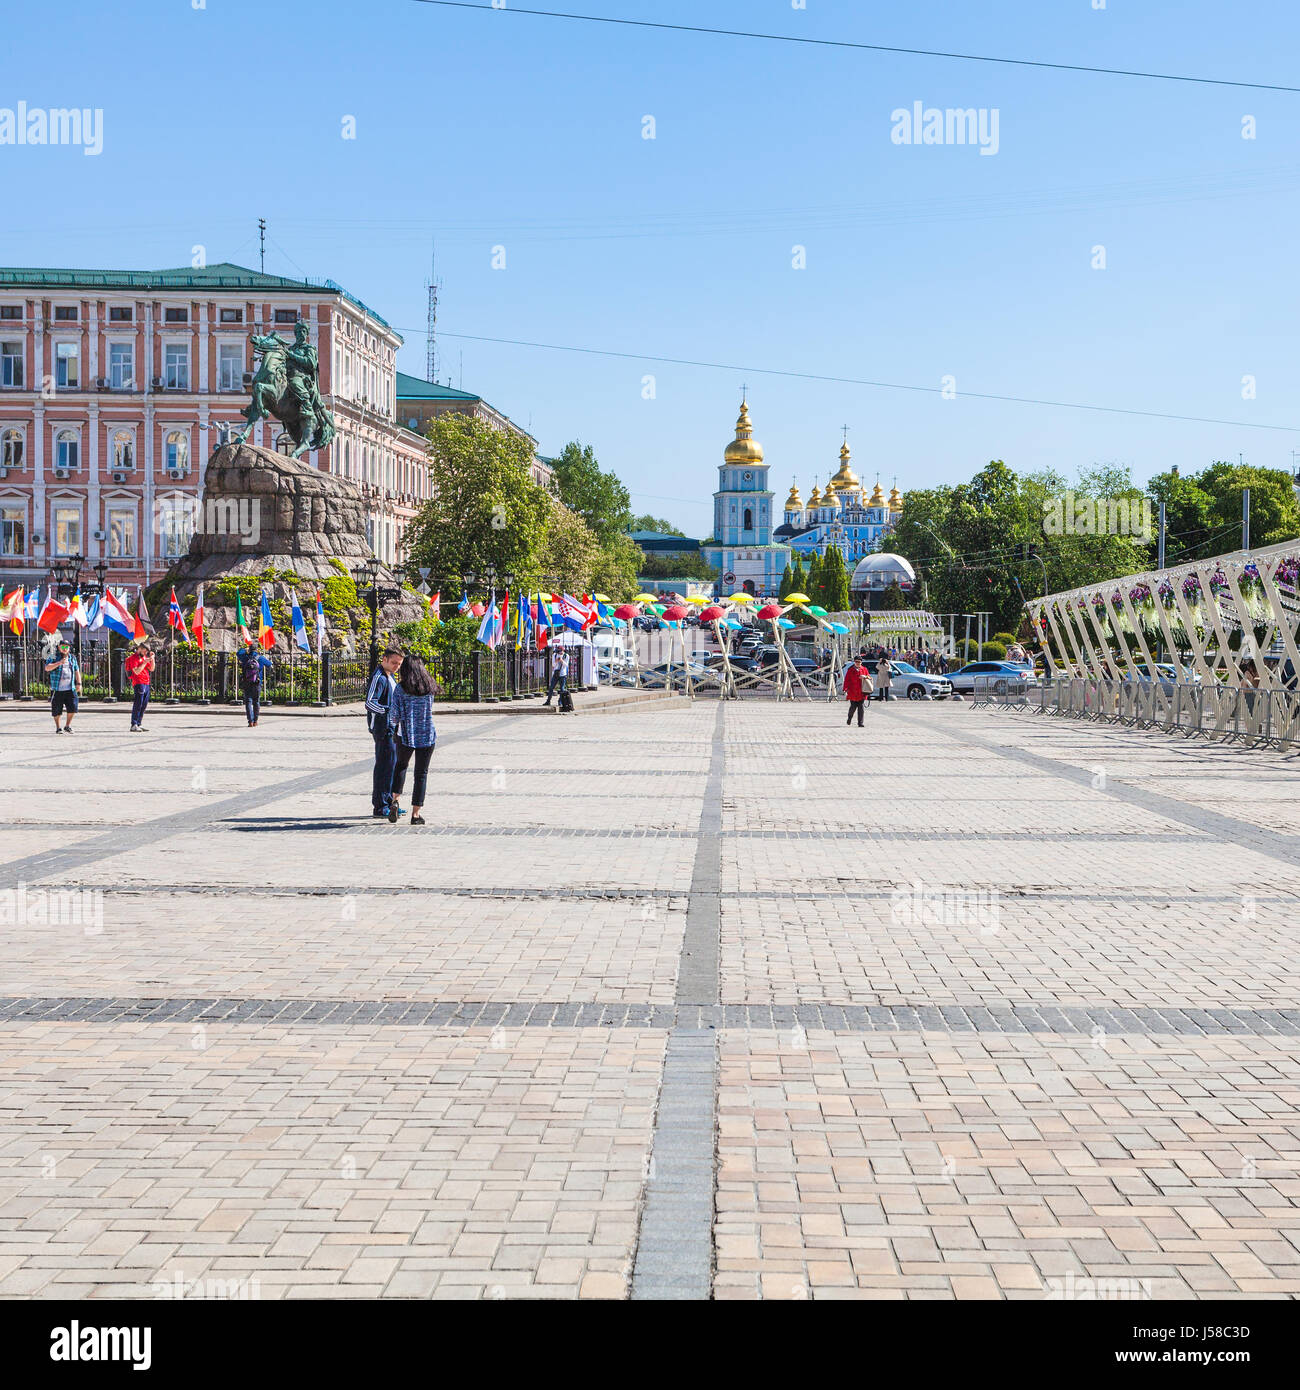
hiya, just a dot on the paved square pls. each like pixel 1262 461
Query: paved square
pixel 724 1001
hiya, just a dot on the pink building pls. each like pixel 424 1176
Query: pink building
pixel 116 385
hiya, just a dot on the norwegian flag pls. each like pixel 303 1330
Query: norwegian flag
pixel 176 619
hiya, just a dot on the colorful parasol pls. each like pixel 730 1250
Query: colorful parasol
pixel 796 598
pixel 675 613
pixel 627 611
pixel 712 613
pixel 770 610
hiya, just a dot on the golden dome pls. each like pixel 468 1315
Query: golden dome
pixel 744 448
pixel 877 497
pixel 846 480
pixel 794 503
pixel 816 499
pixel 895 499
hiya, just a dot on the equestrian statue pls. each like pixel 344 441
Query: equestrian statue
pixel 287 388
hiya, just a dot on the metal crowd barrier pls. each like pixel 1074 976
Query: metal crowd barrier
pixel 1223 714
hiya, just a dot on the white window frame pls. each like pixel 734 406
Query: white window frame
pixel 112 511
pixel 61 357
pixel 127 379
pixel 174 522
pixel 16 374
pixel 67 452
pixel 8 434
pixel 170 349
pixel 19 505
pixel 225 351
pixel 184 454
pixel 66 504
pixel 120 432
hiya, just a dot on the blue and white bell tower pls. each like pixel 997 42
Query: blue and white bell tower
pixel 742 518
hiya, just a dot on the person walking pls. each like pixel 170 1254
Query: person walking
pixel 559 673
pixel 64 671
pixel 251 664
pixel 410 722
pixel 857 688
pixel 139 670
pixel 378 696
pixel 884 672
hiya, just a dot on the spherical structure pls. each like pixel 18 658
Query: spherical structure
pixel 880 571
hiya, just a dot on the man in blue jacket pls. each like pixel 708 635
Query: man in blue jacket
pixel 377 698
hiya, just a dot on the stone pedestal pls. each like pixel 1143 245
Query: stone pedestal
pixel 263 511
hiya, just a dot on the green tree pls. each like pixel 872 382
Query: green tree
pixel 599 498
pixel 813 586
pixel 486 509
pixel 654 523
pixel 799 578
pixel 893 599
pixel 787 582
pixel 676 564
pixel 834 582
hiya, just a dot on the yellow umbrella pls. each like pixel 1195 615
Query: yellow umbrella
pixel 699 600
pixel 602 598
pixel 741 598
pixel 647 598
pixel 796 598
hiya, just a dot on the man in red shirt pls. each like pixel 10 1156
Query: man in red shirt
pixel 139 669
pixel 857 686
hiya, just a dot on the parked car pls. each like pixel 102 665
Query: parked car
pixel 917 684
pixel 763 657
pixel 998 676
pixel 647 622
pixel 673 674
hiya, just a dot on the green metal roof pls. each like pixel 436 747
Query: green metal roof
pixel 221 276
pixel 414 388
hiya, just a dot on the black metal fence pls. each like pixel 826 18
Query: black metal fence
pixel 188 675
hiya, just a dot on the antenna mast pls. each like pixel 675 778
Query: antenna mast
pixel 432 285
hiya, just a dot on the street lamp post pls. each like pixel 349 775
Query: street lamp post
pixel 367 577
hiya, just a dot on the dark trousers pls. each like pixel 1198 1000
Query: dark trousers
pixel 855 705
pixel 252 702
pixel 558 680
pixel 419 778
pixel 139 702
pixel 385 754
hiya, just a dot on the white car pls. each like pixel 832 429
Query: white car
pixel 917 684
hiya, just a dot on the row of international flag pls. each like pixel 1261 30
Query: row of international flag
pixel 530 620
pixel 20 607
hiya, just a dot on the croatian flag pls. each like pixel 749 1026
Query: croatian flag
pixel 573 613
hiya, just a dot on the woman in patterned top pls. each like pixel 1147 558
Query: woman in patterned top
pixel 410 717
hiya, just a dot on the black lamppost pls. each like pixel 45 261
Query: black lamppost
pixel 367 577
pixel 96 588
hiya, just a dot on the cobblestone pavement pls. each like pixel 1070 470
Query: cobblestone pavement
pixel 726 1001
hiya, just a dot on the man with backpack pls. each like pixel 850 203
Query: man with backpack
pixel 251 664
pixel 560 679
pixel 65 685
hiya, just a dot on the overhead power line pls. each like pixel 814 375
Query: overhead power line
pixel 863 47
pixel 877 385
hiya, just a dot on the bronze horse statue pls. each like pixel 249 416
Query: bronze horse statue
pixel 287 388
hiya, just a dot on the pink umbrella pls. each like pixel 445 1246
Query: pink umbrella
pixel 627 611
pixel 770 610
pixel 712 613
pixel 675 614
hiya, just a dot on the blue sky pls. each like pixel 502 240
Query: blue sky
pixel 490 129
